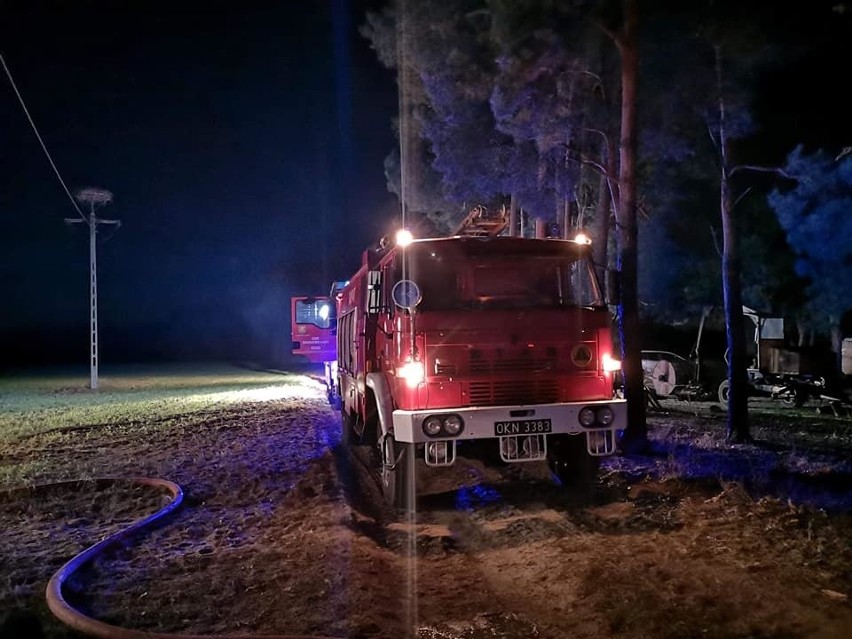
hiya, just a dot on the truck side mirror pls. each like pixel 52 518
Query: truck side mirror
pixel 406 294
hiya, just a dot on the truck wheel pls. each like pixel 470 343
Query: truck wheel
pixel 334 398
pixel 569 460
pixel 790 398
pixel 396 473
pixel 348 436
pixel 724 389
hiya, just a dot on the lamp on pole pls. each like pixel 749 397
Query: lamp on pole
pixel 94 198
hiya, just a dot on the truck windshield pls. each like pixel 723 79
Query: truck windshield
pixel 452 278
pixel 316 311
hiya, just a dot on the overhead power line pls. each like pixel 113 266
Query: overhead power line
pixel 94 198
pixel 35 130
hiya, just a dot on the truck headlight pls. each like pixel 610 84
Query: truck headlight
pixel 452 424
pixel 605 416
pixel 412 372
pixel 586 417
pixel 609 364
pixel 432 426
pixel 442 425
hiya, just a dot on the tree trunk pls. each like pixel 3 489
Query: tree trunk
pixel 738 428
pixel 836 346
pixel 636 433
pixel 599 228
pixel 514 217
pixel 800 328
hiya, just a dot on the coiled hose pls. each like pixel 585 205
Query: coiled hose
pixel 92 627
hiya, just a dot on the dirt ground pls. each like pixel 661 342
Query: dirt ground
pixel 283 532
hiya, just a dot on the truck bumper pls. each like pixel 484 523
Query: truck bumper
pixel 497 422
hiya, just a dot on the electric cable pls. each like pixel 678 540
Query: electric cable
pixel 40 140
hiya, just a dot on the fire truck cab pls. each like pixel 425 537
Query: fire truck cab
pixel 313 330
pixel 501 342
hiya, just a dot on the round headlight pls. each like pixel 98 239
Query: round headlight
pixel 452 424
pixel 605 416
pixel 508 448
pixel 587 417
pixel 432 425
pixel 438 452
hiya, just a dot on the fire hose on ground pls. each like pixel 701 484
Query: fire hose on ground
pixel 82 623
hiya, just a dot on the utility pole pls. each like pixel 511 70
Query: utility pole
pixel 93 197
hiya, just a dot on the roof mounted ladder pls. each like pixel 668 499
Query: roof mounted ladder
pixel 480 222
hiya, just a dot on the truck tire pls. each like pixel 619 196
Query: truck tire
pixel 396 473
pixel 348 436
pixel 334 398
pixel 724 389
pixel 796 396
pixel 570 462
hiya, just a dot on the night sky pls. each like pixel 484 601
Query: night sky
pixel 244 146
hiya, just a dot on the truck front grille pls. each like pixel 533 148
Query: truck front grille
pixel 447 369
pixel 512 365
pixel 500 392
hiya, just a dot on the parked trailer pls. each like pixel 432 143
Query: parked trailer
pixel 776 372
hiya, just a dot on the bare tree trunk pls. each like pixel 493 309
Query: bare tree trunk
pixel 836 345
pixel 540 228
pixel 636 433
pixel 599 228
pixel 514 217
pixel 738 428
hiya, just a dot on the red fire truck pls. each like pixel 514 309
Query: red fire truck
pixel 313 327
pixel 312 323
pixel 477 340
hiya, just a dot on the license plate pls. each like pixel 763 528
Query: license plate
pixel 522 427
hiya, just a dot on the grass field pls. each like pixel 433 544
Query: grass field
pixel 282 530
pixel 180 422
pixel 60 401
